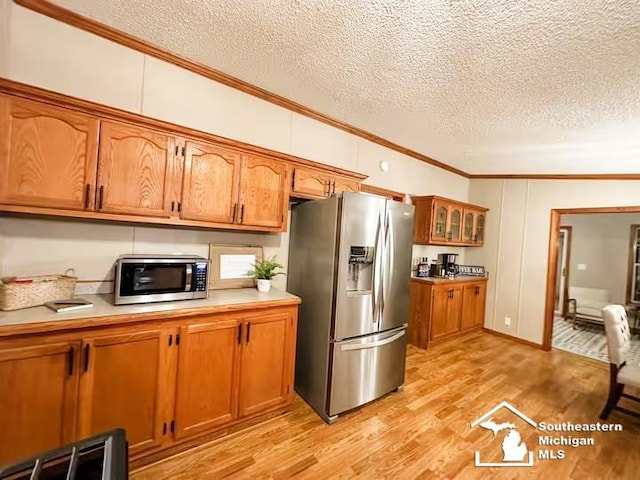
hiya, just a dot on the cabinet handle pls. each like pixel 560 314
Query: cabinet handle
pixel 242 213
pixel 248 331
pixel 100 197
pixel 164 425
pixel 87 192
pixel 179 207
pixel 170 340
pixel 86 358
pixel 233 215
pixel 172 206
pixel 70 357
pixel 239 334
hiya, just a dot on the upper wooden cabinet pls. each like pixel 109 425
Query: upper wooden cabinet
pixel 210 186
pixel 55 159
pixel 341 184
pixel 441 221
pixel 263 200
pixel 223 186
pixel 313 183
pixel 37 404
pixel 135 170
pixel 48 155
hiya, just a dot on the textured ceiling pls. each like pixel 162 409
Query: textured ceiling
pixel 487 86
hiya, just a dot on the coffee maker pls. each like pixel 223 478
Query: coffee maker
pixel 447 265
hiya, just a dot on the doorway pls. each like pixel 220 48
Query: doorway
pixel 554 258
pixel 562 271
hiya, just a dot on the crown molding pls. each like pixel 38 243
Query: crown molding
pixel 556 176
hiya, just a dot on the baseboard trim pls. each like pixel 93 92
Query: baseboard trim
pixel 512 338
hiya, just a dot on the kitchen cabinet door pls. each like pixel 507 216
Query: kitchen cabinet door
pixel 468 226
pixel 123 381
pixel 48 155
pixel 440 221
pixel 311 183
pixel 344 185
pixel 210 186
pixel 454 224
pixel 440 326
pixel 454 308
pixel 135 170
pixel 478 237
pixel 38 398
pixel 266 368
pixel 470 306
pixel 446 312
pixel 207 379
pixel 263 192
pixel 480 294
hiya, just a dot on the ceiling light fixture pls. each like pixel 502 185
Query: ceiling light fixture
pixel 384 165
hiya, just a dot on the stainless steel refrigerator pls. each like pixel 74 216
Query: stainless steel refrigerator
pixel 350 262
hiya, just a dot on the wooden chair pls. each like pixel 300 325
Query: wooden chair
pixel 616 328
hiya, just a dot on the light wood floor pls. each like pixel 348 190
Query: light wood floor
pixel 424 431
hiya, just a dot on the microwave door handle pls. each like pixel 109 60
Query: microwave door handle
pixel 187 286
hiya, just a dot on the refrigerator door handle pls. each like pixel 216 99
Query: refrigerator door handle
pixel 380 343
pixel 387 255
pixel 377 271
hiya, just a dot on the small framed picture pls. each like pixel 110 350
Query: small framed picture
pixel 230 265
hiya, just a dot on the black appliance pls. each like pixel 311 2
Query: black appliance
pixel 447 264
pixel 101 457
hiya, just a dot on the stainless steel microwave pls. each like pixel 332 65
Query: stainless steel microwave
pixel 160 278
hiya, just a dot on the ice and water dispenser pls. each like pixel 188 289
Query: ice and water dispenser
pixel 360 273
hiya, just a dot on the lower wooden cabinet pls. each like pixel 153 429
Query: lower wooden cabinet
pixel 442 309
pixel 446 311
pixel 267 359
pixel 123 383
pixel 207 376
pixel 165 382
pixel 473 303
pixel 38 397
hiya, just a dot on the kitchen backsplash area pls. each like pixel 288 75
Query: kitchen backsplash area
pixel 40 246
pixel 432 251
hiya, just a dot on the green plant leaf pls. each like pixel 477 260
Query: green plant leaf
pixel 265 269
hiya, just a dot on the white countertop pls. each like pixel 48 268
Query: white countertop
pixel 104 307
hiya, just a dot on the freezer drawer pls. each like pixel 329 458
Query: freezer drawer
pixel 366 368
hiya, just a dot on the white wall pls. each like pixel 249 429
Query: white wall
pixel 600 242
pixel 516 249
pixel 49 54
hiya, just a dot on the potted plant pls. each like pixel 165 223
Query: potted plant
pixel 263 271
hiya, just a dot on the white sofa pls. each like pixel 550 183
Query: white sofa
pixel 586 304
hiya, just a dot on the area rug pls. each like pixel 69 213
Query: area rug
pixel 588 340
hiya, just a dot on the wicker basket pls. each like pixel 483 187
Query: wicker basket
pixel 40 290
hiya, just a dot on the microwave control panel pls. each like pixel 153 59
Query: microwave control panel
pixel 201 274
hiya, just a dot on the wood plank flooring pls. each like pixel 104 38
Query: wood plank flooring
pixel 424 431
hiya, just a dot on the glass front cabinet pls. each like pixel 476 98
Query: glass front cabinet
pixel 441 221
pixel 634 266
